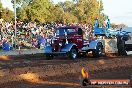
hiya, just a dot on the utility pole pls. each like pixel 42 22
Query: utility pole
pixel 0 11
pixel 15 20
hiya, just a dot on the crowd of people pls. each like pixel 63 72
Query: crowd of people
pixel 29 35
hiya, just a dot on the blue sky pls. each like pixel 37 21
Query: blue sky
pixel 119 11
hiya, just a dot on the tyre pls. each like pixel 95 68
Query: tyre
pixel 49 57
pixel 73 54
pixel 121 48
pixel 98 51
pixel 85 82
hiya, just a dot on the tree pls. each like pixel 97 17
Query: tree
pixel 114 26
pixel 117 26
pixel 22 3
pixel 88 10
pixel 122 25
pixel 69 18
pixel 82 11
pixel 0 10
pixel 67 6
pixel 21 14
pixel 1 6
pixel 34 10
pixel 7 14
pixel 56 14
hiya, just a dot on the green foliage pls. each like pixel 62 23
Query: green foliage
pixel 56 14
pixel 34 10
pixel 22 3
pixel 21 14
pixel 67 6
pixel 88 10
pixel 42 11
pixel 85 10
pixel 69 18
pixel 82 11
pixel 0 6
pixel 7 14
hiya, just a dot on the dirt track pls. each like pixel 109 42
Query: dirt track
pixel 29 72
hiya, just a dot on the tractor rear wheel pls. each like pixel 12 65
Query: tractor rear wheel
pixel 98 51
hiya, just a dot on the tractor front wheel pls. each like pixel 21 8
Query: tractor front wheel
pixel 73 54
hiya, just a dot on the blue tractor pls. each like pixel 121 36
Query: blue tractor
pixel 109 33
